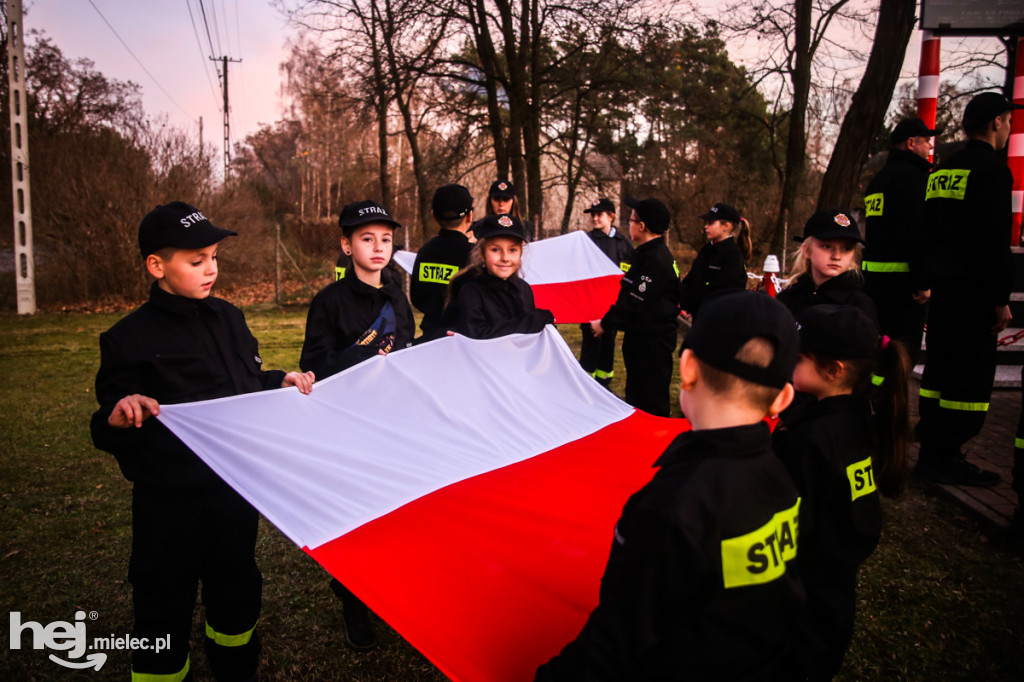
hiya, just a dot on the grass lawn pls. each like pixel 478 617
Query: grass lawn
pixel 939 600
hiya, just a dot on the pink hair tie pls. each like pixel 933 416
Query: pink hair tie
pixel 885 342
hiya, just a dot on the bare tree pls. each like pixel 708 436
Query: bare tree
pixel 867 110
pixel 799 53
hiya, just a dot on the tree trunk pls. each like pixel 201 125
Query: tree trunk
pixel 867 110
pixel 800 74
pixel 489 67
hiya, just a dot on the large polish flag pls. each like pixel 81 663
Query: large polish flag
pixel 466 490
pixel 569 275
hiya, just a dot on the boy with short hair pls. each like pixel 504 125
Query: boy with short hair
pixel 597 355
pixel 366 312
pixel 699 583
pixel 441 257
pixel 646 309
pixel 188 526
pixel 353 319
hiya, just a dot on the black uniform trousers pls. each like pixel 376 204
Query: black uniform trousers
pixel 597 354
pixel 958 374
pixel 649 359
pixel 167 565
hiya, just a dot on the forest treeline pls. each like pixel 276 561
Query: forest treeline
pixel 389 99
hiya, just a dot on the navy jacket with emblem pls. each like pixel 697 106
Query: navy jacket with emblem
pixel 437 261
pixel 969 214
pixel 648 301
pixel 341 313
pixel 174 350
pixel 616 246
pixel 483 306
pixel 844 289
pixel 717 268
pixel 895 230
pixel 826 447
pixel 670 607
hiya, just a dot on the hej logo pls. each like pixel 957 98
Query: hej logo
pixel 59 636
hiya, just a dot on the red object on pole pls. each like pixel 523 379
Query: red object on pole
pixel 770 281
pixel 928 79
pixel 1015 152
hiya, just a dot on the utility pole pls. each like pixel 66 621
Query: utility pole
pixel 24 263
pixel 227 126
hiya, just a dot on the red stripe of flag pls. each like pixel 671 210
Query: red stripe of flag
pixel 579 301
pixel 489 577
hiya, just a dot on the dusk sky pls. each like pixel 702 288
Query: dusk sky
pixel 161 35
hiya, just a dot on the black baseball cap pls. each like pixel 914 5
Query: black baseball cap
pixel 986 106
pixel 830 224
pixel 451 202
pixel 363 212
pixel 178 225
pixel 911 127
pixel 503 225
pixel 722 212
pixel 653 213
pixel 602 205
pixel 727 322
pixel 839 331
pixel 502 189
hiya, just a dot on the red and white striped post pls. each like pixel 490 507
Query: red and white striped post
pixel 928 79
pixel 1015 156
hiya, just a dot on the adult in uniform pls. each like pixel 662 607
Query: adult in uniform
pixel 895 235
pixel 597 355
pixel 646 309
pixel 441 257
pixel 968 214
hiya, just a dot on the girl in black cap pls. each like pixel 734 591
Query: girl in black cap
pixel 825 266
pixel 501 200
pixel 720 264
pixel 488 298
pixel 842 449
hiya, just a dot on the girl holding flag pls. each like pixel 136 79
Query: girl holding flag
pixel 488 298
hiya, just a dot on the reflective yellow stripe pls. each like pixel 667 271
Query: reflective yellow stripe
pixel 760 556
pixel 171 677
pixel 1018 443
pixel 675 266
pixel 947 184
pixel 339 273
pixel 861 477
pixel 601 374
pixel 624 267
pixel 437 273
pixel 229 640
pixel 874 205
pixel 877 380
pixel 928 393
pixel 963 407
pixel 880 266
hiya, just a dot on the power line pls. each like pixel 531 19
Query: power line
pixel 206 24
pixel 199 44
pixel 139 61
